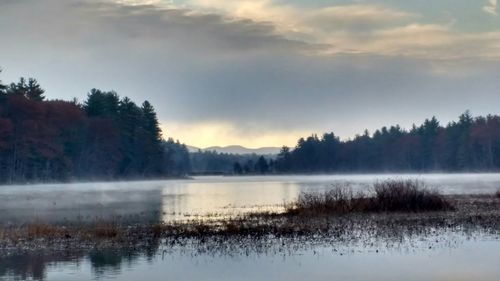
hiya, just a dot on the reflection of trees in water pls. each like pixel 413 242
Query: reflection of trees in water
pixel 33 265
pixel 106 261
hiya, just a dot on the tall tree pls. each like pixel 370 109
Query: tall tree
pixel 151 141
pixel 102 104
pixel 33 90
pixel 130 118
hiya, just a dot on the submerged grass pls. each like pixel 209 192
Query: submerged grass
pixel 388 196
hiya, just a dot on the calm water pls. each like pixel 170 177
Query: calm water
pixel 453 259
pixel 433 257
pixel 199 198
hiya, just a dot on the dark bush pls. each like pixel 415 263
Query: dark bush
pixel 388 196
pixel 407 196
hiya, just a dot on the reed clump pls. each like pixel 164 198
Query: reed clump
pixel 409 196
pixel 387 196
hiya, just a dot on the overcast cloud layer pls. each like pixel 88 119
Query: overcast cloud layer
pixel 262 72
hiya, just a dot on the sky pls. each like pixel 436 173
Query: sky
pixel 263 72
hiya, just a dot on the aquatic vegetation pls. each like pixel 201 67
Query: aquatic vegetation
pixel 388 196
pixel 408 196
pixel 393 210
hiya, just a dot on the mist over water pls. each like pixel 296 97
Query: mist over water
pixel 198 198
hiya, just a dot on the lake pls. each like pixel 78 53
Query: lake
pixel 435 256
pixel 198 198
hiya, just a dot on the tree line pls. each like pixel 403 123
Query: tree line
pixel 109 137
pixel 105 137
pixel 468 144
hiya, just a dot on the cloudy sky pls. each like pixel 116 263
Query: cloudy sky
pixel 263 72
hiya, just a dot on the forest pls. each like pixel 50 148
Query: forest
pixel 105 137
pixel 471 144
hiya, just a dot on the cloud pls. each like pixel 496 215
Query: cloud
pixel 491 7
pixel 356 17
pixel 254 72
pixel 308 23
pixel 364 28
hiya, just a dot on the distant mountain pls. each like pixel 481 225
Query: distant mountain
pixel 192 148
pixel 237 149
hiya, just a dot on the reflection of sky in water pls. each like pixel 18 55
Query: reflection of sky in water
pixel 218 198
pixel 201 197
pixel 460 260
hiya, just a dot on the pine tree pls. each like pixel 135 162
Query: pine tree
pixel 129 119
pixel 18 89
pixel 102 104
pixel 153 150
pixel 33 90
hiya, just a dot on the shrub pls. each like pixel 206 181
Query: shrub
pixel 388 196
pixel 407 196
pixel 338 200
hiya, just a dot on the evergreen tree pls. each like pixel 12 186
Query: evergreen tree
pixel 33 90
pixel 102 104
pixel 129 119
pixel 18 89
pixel 151 141
pixel 262 167
pixel 464 146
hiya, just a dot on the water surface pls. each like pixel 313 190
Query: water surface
pixel 428 255
pixel 198 198
pixel 457 258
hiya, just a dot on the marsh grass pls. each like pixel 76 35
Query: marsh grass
pixel 39 229
pixel 387 196
pixel 105 230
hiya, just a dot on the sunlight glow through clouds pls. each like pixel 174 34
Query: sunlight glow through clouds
pixel 203 135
